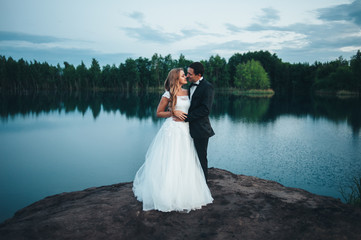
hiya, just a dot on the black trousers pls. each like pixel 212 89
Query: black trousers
pixel 201 145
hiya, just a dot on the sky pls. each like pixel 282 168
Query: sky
pixel 113 30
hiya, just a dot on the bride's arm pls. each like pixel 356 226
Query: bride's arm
pixel 162 106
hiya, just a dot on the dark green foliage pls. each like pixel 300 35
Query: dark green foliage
pixel 143 65
pixel 251 75
pixel 142 73
pixel 356 69
pixel 216 71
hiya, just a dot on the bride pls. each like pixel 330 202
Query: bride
pixel 171 178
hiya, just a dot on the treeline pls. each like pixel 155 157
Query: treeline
pixel 143 73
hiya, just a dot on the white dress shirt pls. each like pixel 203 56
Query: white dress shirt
pixel 193 88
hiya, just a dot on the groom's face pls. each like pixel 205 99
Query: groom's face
pixel 191 76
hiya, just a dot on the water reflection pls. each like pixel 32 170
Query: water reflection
pixel 143 105
pixel 52 143
pixel 241 108
pixel 132 105
pixel 333 109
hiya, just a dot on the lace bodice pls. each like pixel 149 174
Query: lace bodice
pixel 183 102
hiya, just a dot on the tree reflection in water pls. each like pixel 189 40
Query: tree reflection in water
pixel 143 105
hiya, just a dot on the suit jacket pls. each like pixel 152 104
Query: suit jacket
pixel 199 110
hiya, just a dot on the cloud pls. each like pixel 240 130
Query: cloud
pixel 345 12
pixel 269 16
pixel 45 48
pixel 233 28
pixel 225 49
pixel 300 42
pixel 148 34
pixel 52 50
pixel 53 56
pixel 339 32
pixel 263 22
pixel 16 36
pixel 189 33
pixel 139 16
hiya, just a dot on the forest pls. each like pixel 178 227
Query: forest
pixel 142 73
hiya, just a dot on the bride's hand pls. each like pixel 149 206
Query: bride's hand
pixel 179 115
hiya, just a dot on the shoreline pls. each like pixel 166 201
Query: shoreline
pixel 339 94
pixel 244 207
pixel 268 93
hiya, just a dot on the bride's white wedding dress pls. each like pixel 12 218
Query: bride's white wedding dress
pixel 171 178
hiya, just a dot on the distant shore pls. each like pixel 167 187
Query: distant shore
pixel 262 93
pixel 233 91
pixel 337 93
pixel 251 92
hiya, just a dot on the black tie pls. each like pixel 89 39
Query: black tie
pixel 193 84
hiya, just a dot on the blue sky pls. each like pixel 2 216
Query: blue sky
pixel 113 30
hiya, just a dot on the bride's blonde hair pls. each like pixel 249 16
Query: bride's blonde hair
pixel 172 85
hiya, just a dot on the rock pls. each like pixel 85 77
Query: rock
pixel 244 208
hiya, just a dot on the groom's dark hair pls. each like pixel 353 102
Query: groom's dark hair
pixel 197 68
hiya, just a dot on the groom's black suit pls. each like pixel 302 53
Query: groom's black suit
pixel 198 118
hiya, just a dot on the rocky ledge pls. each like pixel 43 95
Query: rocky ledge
pixel 244 208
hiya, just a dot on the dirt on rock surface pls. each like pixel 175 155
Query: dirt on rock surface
pixel 244 207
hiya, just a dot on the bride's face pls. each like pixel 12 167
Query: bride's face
pixel 182 78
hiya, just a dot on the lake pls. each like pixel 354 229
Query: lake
pixel 54 143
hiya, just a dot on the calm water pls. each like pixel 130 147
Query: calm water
pixel 51 143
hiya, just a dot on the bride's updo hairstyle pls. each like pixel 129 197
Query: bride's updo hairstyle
pixel 172 85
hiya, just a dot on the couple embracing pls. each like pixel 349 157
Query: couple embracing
pixel 174 174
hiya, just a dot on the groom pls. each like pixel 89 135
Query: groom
pixel 201 96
